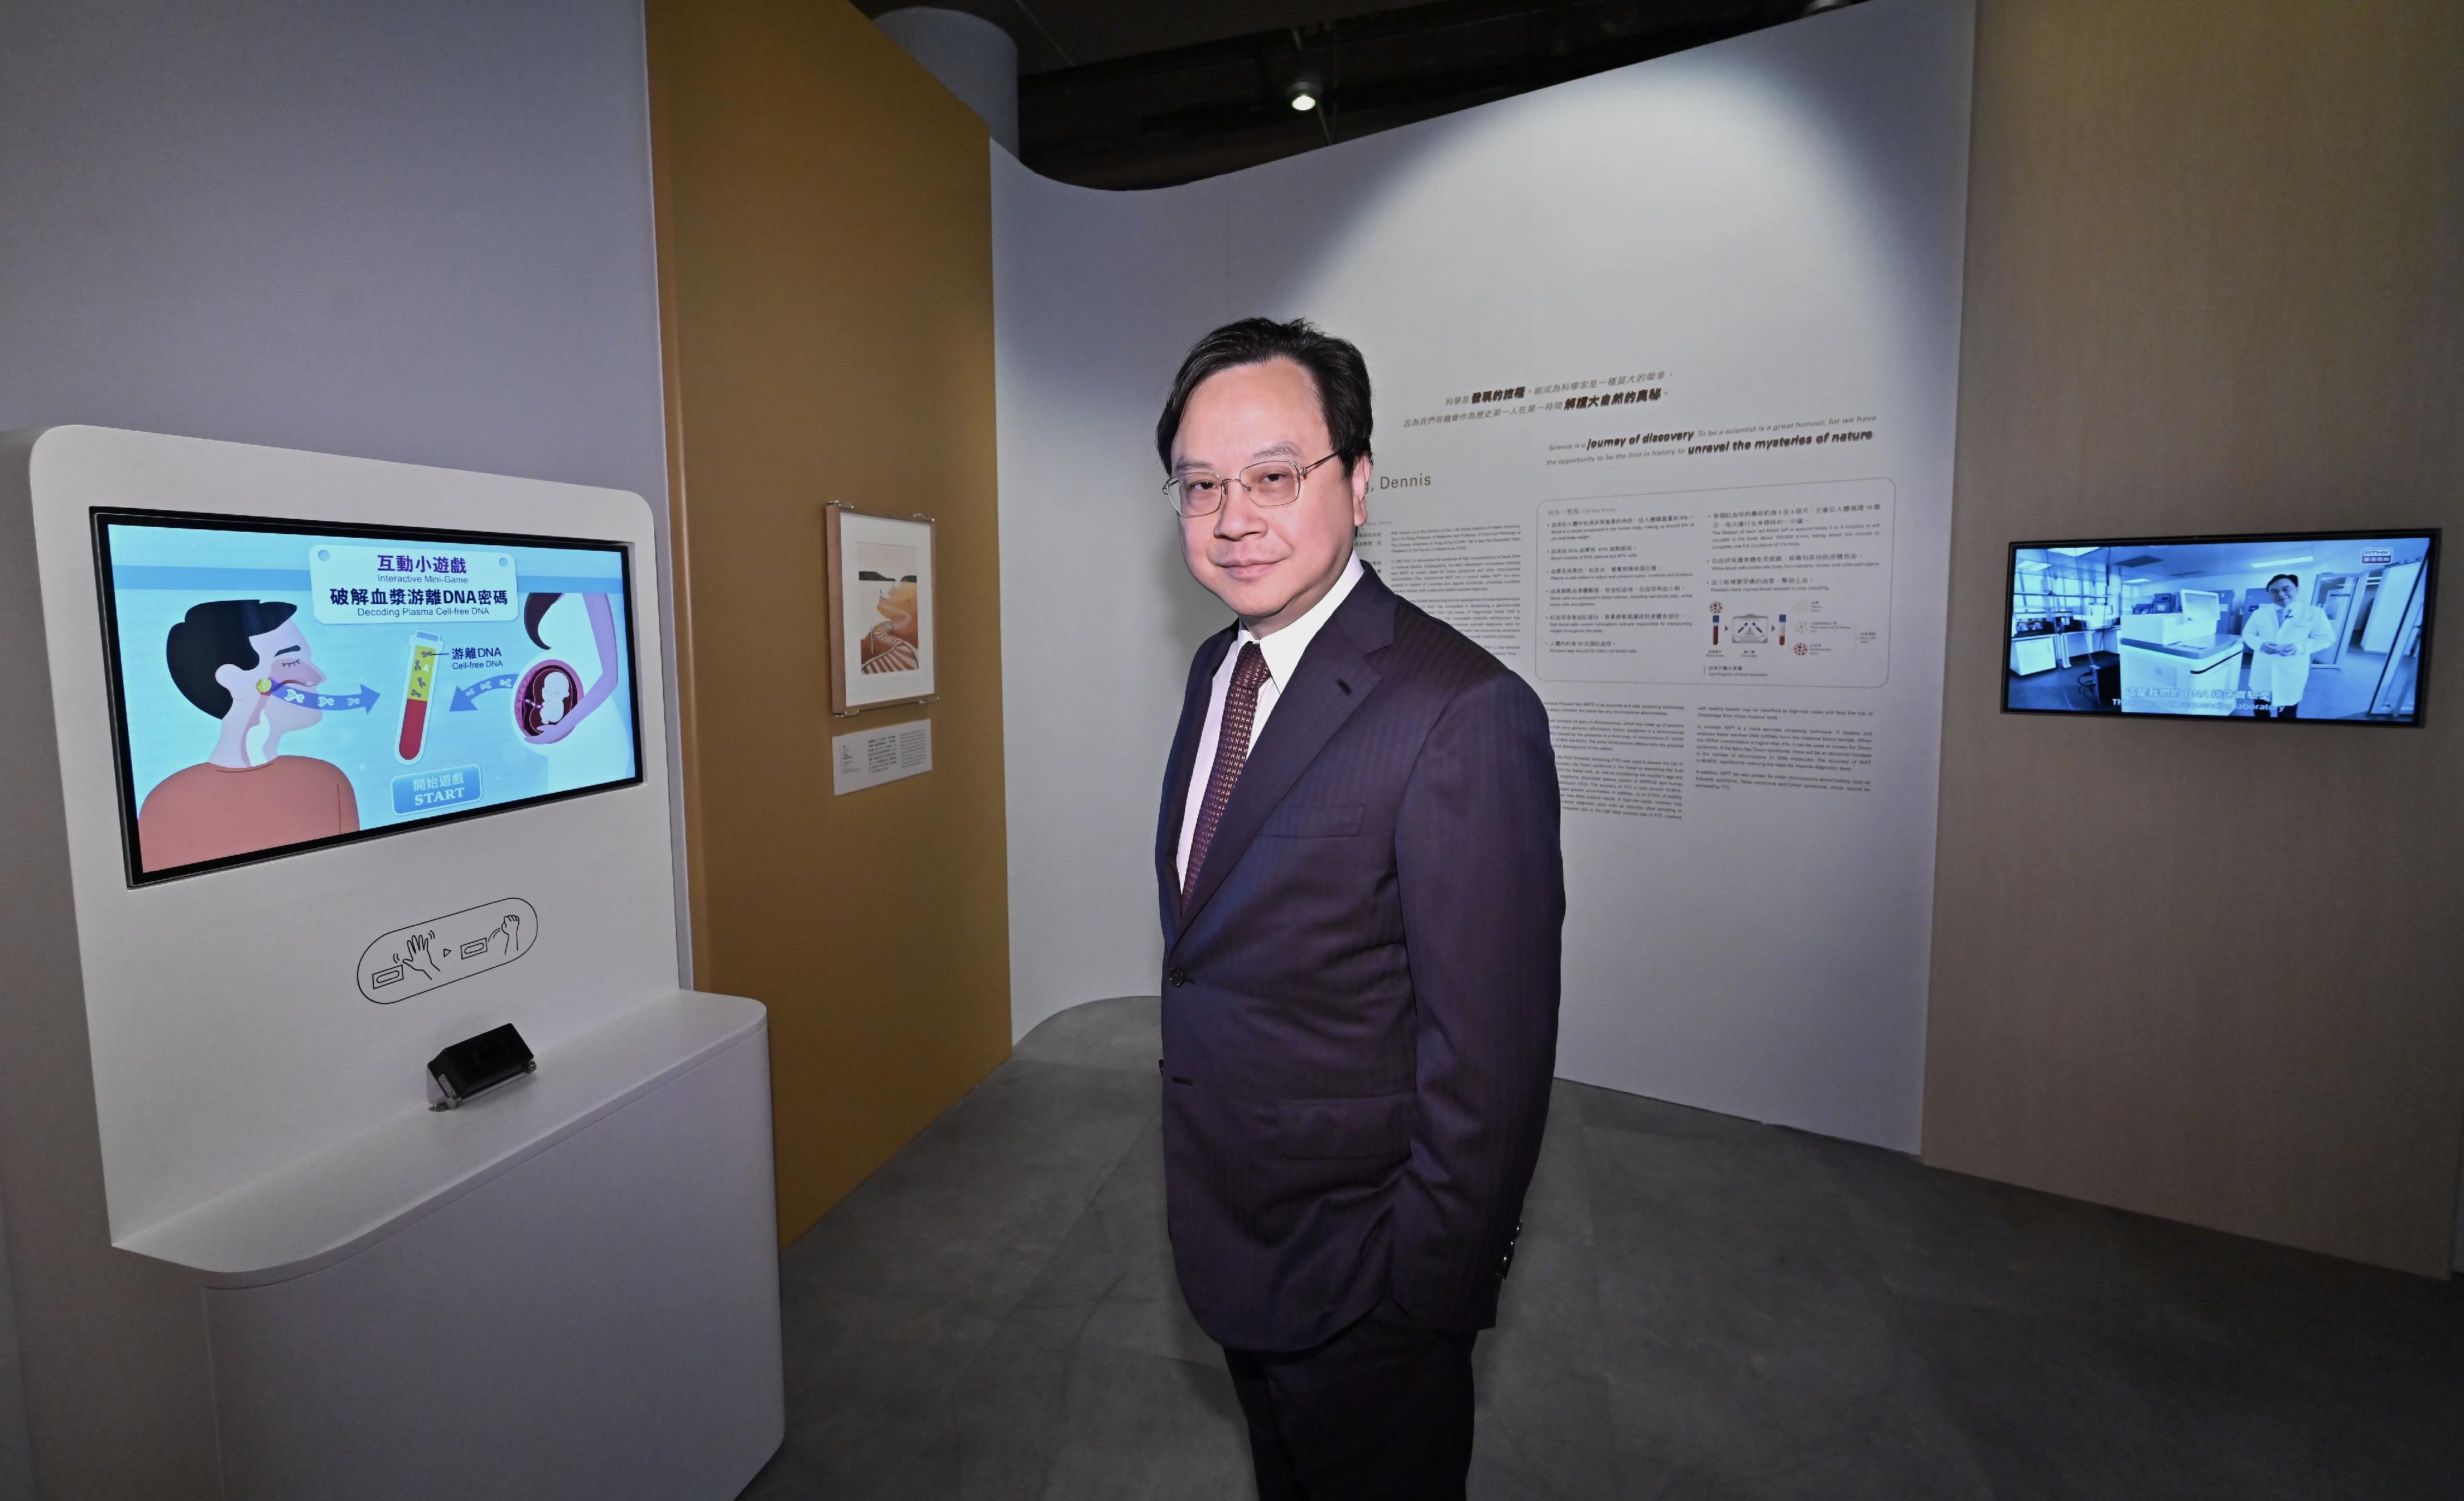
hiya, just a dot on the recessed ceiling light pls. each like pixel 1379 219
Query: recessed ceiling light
pixel 1302 94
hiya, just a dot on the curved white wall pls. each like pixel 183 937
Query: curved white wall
pixel 1769 229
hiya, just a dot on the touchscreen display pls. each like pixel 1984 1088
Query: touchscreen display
pixel 278 685
pixel 2332 627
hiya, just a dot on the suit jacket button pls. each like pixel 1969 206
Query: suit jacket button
pixel 1178 978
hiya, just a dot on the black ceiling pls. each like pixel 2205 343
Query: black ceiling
pixel 1074 34
pixel 1119 94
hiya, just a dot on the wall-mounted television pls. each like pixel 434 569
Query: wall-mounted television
pixel 280 686
pixel 2329 628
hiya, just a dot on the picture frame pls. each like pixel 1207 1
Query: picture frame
pixel 882 579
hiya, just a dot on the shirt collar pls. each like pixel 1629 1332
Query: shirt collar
pixel 1284 650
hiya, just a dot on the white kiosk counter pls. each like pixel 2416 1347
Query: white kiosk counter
pixel 321 765
pixel 2198 675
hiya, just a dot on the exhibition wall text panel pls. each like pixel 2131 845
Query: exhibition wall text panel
pixel 1665 364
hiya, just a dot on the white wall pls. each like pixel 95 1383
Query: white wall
pixel 418 233
pixel 1776 222
pixel 1090 563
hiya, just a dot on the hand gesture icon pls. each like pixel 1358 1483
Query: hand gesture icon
pixel 507 939
pixel 420 953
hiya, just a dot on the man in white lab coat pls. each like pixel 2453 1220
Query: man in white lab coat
pixel 2281 635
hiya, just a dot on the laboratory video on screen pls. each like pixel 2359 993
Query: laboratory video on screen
pixel 2333 628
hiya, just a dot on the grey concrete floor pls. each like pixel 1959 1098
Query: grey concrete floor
pixel 1701 1307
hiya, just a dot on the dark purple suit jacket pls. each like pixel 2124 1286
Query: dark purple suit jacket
pixel 1360 995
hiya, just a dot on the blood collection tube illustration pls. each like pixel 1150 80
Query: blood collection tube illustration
pixel 1783 629
pixel 414 695
pixel 1715 628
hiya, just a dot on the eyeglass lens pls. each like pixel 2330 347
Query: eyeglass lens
pixel 1275 482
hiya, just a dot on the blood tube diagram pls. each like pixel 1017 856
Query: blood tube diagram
pixel 424 647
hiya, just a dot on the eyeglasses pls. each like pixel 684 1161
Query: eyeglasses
pixel 1200 491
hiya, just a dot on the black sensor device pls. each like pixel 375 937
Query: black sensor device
pixel 479 1064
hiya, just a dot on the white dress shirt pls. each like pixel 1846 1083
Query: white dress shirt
pixel 1283 650
pixel 2282 678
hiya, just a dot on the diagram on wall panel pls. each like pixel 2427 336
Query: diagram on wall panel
pixel 1773 583
pixel 428 955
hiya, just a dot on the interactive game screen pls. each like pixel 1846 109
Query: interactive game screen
pixel 2331 627
pixel 280 686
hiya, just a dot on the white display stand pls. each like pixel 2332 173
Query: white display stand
pixel 248 1261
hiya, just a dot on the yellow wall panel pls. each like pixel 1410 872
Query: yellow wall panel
pixel 825 260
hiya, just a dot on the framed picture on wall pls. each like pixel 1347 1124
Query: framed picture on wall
pixel 881 587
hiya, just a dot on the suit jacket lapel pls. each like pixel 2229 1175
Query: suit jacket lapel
pixel 1177 772
pixel 1333 678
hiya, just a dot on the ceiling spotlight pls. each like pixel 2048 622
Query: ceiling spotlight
pixel 1302 94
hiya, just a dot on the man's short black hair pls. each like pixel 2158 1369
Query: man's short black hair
pixel 1334 365
pixel 2293 579
pixel 215 635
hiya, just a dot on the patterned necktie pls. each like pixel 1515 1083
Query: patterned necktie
pixel 1231 754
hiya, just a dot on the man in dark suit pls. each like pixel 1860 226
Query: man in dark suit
pixel 1361 896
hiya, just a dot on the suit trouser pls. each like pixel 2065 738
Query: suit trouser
pixel 1383 1409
